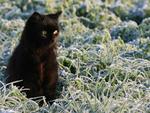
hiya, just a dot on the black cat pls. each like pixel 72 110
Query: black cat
pixel 34 59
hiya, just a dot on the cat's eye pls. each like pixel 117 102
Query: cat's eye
pixel 44 34
pixel 55 33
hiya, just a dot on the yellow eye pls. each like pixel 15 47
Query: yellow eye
pixel 55 33
pixel 44 34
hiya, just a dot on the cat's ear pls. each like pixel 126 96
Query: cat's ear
pixel 35 16
pixel 55 15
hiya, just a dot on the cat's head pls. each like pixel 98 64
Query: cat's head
pixel 42 30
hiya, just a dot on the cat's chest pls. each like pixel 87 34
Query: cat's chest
pixel 45 61
pixel 41 55
pixel 41 70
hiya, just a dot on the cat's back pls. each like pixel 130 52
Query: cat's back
pixel 17 54
pixel 16 60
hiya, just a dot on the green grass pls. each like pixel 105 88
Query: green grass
pixel 97 74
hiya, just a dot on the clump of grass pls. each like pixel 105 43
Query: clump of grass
pixel 144 27
pixel 12 99
pixel 128 31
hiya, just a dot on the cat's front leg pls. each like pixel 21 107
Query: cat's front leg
pixel 50 81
